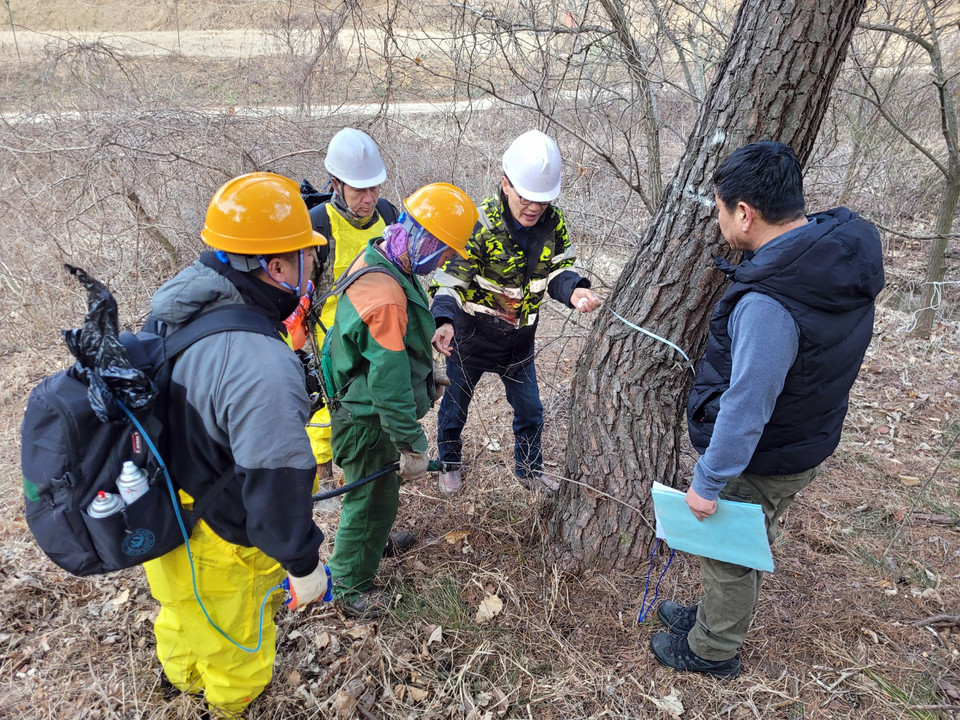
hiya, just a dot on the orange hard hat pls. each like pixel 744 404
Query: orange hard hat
pixel 446 212
pixel 259 214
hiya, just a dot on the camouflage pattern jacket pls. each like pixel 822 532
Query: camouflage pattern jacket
pixel 493 297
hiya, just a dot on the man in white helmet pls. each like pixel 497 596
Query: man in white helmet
pixel 487 305
pixel 354 213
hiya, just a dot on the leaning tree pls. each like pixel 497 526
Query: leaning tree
pixel 773 82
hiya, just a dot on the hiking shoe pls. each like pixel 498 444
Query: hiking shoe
pixel 368 605
pixel 678 618
pixel 674 651
pixel 399 542
pixel 450 482
pixel 539 481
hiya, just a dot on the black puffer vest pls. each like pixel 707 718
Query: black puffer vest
pixel 827 278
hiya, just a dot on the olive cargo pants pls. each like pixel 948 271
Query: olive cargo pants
pixel 730 592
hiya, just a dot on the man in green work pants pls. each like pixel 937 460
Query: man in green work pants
pixel 378 367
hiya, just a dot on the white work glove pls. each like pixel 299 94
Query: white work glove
pixel 440 380
pixel 413 465
pixel 305 590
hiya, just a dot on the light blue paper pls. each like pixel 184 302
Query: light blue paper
pixel 735 533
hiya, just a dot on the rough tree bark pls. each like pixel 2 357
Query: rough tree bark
pixel 774 82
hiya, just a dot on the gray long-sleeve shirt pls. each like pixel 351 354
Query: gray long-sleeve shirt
pixel 764 343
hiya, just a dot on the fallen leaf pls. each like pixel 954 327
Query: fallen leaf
pixel 344 705
pixel 491 445
pixel 670 703
pixel 294 635
pixel 417 694
pixel 436 636
pixel 359 632
pixel 870 634
pixel 489 608
pixel 121 598
pixel 293 678
pixel 949 690
pixel 909 480
pixel 455 536
pixel 500 704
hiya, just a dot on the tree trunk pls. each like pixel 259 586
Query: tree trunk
pixel 936 262
pixel 629 393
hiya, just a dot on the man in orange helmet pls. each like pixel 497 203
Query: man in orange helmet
pixel 380 378
pixel 225 389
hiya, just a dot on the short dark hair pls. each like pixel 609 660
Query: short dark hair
pixel 766 176
pixel 291 256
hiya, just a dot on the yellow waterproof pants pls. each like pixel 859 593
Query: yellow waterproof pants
pixel 318 429
pixel 231 581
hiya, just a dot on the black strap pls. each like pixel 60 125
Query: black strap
pixel 222 319
pixel 340 286
pixel 193 515
pixel 387 211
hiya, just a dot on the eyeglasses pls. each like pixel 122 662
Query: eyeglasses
pixel 523 201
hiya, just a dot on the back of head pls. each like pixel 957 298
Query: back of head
pixel 765 175
pixel 532 165
pixel 354 158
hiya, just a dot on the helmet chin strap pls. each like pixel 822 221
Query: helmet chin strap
pixel 283 283
pixel 340 201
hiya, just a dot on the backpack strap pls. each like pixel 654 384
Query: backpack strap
pixel 239 317
pixel 192 516
pixel 340 286
pixel 387 211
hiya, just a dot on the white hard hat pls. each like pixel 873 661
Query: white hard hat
pixel 353 157
pixel 532 165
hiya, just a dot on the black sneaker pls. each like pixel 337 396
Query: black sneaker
pixel 674 651
pixel 399 542
pixel 678 618
pixel 368 605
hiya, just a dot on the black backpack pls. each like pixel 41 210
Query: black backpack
pixel 82 423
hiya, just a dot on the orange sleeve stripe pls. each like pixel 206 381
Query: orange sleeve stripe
pixel 387 324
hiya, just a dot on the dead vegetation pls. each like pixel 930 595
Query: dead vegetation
pixel 860 620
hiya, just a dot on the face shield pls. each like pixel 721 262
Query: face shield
pixel 423 249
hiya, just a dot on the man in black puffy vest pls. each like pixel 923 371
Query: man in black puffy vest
pixel 786 342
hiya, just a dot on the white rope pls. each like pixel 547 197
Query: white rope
pixel 935 302
pixel 654 336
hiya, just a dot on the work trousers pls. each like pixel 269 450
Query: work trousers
pixel 730 592
pixel 231 581
pixel 523 394
pixel 368 512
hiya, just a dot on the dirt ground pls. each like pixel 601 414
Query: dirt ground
pixel 859 620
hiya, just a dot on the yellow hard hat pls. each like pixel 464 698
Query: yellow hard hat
pixel 446 212
pixel 259 214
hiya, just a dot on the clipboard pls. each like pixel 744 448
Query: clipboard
pixel 735 533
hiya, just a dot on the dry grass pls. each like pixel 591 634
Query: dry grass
pixel 866 555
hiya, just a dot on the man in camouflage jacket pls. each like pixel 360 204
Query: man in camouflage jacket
pixel 487 305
